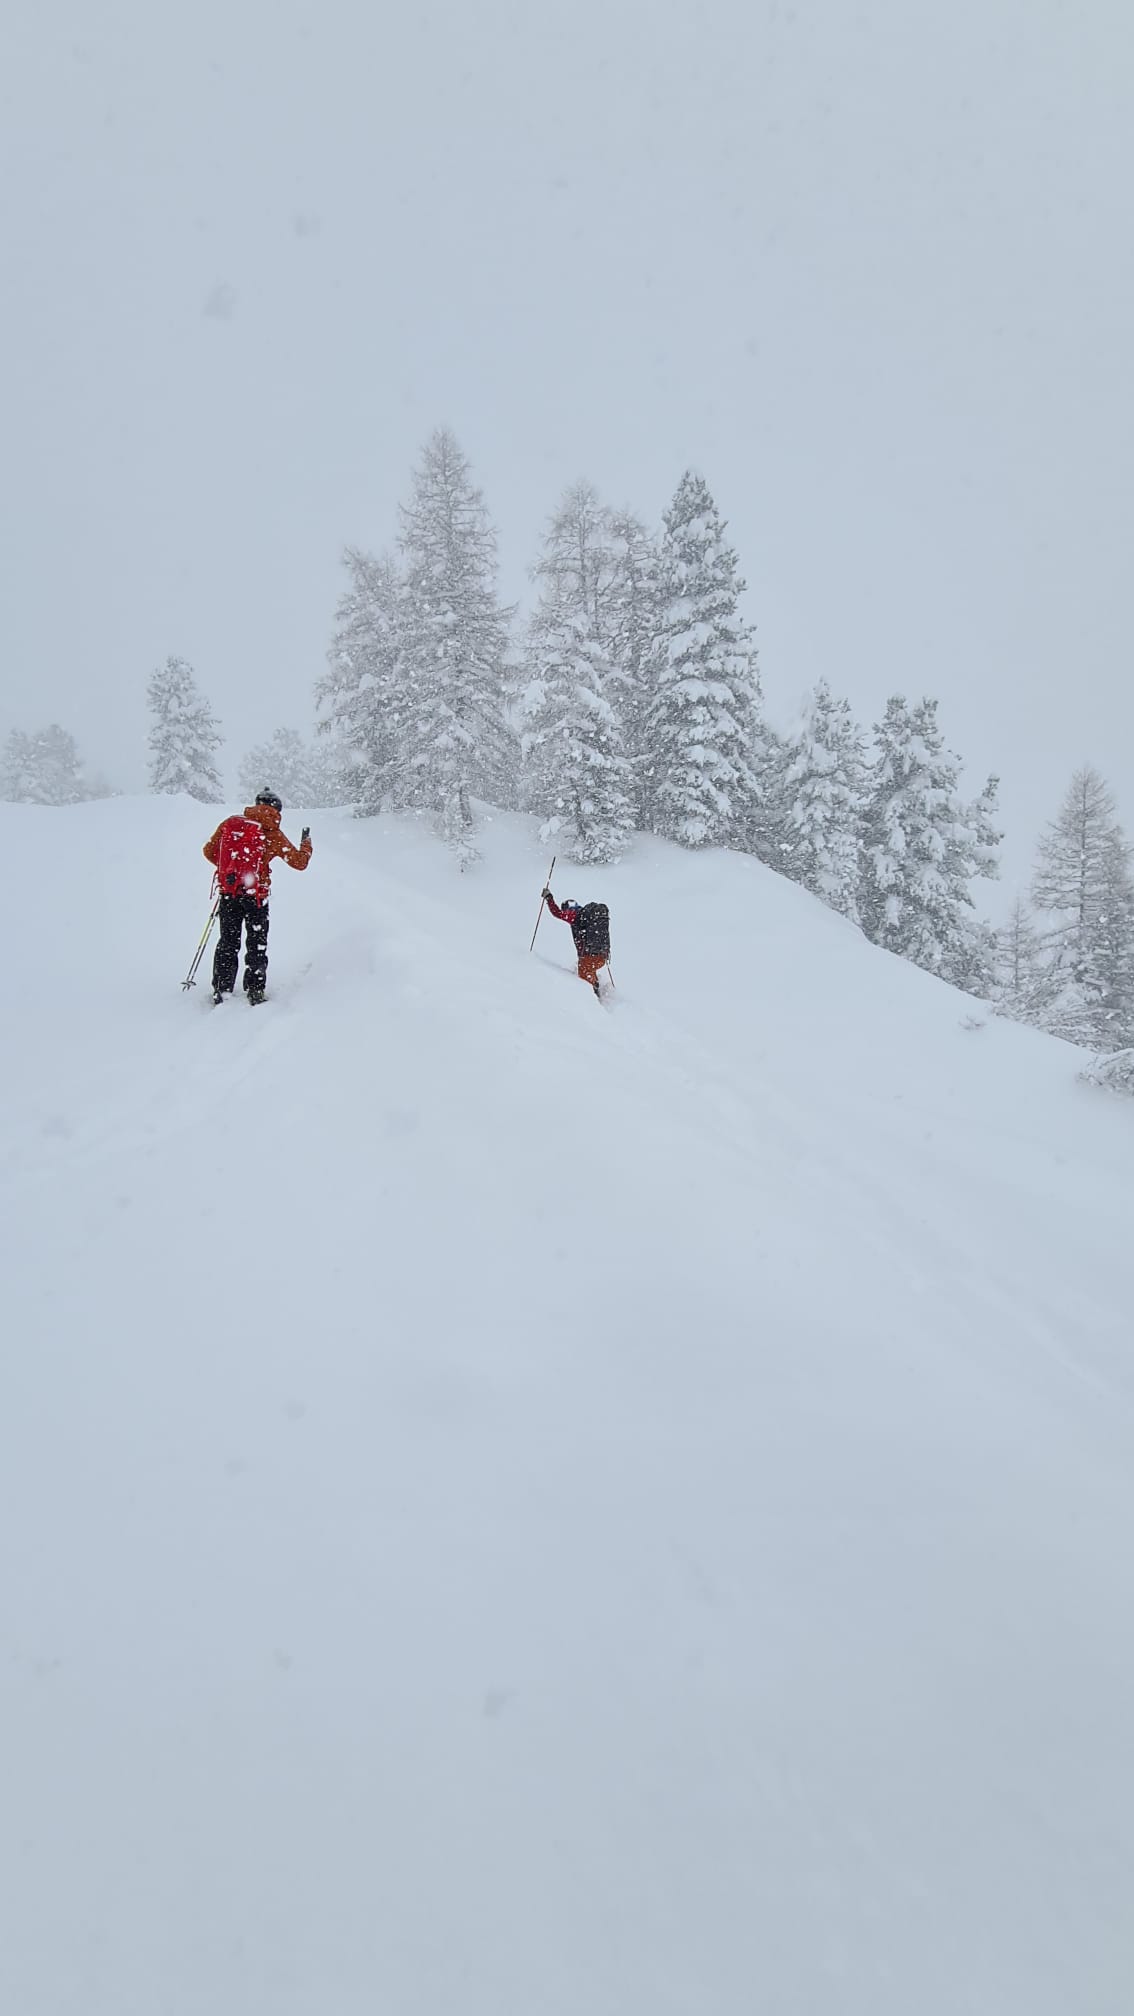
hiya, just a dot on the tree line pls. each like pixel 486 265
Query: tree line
pixel 628 700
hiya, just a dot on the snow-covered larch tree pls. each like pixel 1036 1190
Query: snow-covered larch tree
pixel 363 696
pixel 1022 989
pixel 576 566
pixel 704 720
pixel 455 639
pixel 822 790
pixel 1083 884
pixel 184 736
pixel 1074 864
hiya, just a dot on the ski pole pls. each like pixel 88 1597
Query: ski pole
pixel 547 885
pixel 189 980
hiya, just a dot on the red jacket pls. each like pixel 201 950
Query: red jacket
pixel 277 846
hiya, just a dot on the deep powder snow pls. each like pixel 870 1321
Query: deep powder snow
pixel 529 1509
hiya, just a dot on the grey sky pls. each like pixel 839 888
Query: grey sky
pixel 866 263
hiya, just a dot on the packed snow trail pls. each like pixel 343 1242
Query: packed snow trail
pixel 510 1507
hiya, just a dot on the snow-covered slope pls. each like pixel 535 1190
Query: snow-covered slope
pixel 523 1509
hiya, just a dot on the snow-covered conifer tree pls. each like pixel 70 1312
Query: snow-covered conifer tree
pixel 823 786
pixel 364 694
pixel 459 744
pixel 16 769
pixel 974 855
pixel 575 773
pixel 43 768
pixel 1108 979
pixel 576 566
pixel 285 763
pixel 1022 987
pixel 1074 866
pixel 574 769
pixel 58 765
pixel 633 642
pixel 704 721
pixel 1083 883
pixel 922 846
pixel 184 737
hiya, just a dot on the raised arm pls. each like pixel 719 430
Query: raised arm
pixel 296 857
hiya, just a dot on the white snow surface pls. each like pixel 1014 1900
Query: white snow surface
pixel 519 1508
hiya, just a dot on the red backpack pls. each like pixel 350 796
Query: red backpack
pixel 240 857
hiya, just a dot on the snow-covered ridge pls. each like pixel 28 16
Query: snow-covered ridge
pixel 511 1506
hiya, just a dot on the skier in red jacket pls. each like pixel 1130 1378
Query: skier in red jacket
pixel 590 928
pixel 242 851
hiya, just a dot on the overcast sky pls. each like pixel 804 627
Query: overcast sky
pixel 867 264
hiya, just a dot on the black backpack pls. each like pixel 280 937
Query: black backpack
pixel 591 930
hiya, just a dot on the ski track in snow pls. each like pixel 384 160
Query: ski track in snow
pixel 511 1508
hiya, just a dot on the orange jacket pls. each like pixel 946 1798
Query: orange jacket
pixel 277 846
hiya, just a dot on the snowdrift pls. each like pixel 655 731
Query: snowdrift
pixel 512 1505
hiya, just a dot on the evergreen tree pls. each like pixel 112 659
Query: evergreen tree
pixel 922 847
pixel 975 960
pixel 974 855
pixel 575 773
pixel 364 693
pixel 574 770
pixel 43 768
pixel 184 737
pixel 765 831
pixel 16 769
pixel 1083 883
pixel 286 764
pixel 704 720
pixel 455 643
pixel 823 786
pixel 58 766
pixel 633 642
pixel 1108 979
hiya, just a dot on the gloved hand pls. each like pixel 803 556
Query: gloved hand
pixel 546 894
pixel 305 837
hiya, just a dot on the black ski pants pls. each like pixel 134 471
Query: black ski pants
pixel 237 913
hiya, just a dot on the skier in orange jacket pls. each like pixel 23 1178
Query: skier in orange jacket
pixel 242 851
